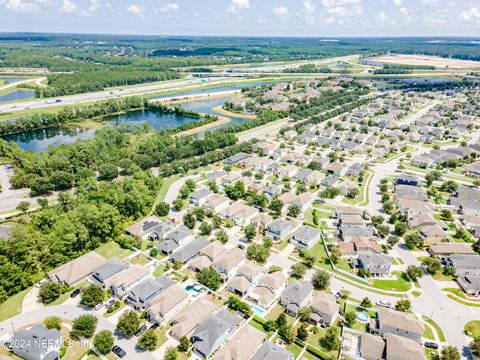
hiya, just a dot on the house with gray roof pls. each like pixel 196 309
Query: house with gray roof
pixel 37 343
pixel 465 264
pixel 305 237
pixel 199 197
pixel 236 158
pixel 161 231
pixel 144 227
pixel 397 322
pixel 295 296
pixel 104 272
pixel 270 351
pixel 212 332
pixel 141 294
pixel 378 265
pixel 278 229
pixel 189 251
pixel 175 239
pixel 470 284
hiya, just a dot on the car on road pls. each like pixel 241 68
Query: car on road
pixel 41 282
pixel 117 350
pixel 338 295
pixel 99 306
pixel 141 330
pixel 431 345
pixel 75 292
pixel 383 304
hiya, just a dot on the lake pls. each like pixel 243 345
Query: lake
pixel 38 140
pixel 17 95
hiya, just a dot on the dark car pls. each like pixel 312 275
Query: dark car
pixel 75 292
pixel 155 326
pixel 117 350
pixel 141 330
pixel 431 345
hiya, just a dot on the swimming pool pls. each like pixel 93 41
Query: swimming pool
pixel 192 289
pixel 257 311
pixel 362 316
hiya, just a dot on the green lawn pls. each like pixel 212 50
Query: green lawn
pixel 112 249
pixel 259 326
pixel 159 270
pixel 62 298
pixel 439 330
pixel 319 251
pixel 294 349
pixel 276 311
pixel 122 305
pixel 13 305
pixel 363 196
pixel 428 333
pixel 167 182
pixel 314 340
pixel 400 284
pixel 472 328
pixel 140 259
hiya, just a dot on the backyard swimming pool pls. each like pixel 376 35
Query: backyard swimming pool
pixel 257 311
pixel 362 316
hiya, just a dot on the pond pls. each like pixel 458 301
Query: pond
pixel 17 95
pixel 11 79
pixel 38 140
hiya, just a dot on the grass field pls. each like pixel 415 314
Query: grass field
pixel 439 330
pixel 472 328
pixel 140 259
pixel 13 305
pixel 112 249
pixel 62 298
pixel 400 284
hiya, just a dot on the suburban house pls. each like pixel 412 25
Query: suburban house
pixel 378 265
pixel 401 348
pixel 465 264
pixel 268 289
pixel 261 220
pixel 199 197
pixel 296 295
pixel 404 179
pixel 161 231
pixel 141 295
pixel 397 322
pixel 372 347
pixel 278 229
pixel 236 158
pixel 473 169
pixel 213 332
pixel 446 249
pixel 37 343
pixel 217 202
pixel 104 272
pixel 241 214
pixel 247 276
pixel 324 309
pixel 242 345
pixel 270 351
pixel 185 321
pixel 470 284
pixel 144 227
pixel 207 256
pixel 305 237
pixel 360 246
pixel 76 270
pixel 189 251
pixel 168 302
pixel 175 239
pixel 229 262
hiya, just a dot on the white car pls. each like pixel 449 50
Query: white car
pixel 43 281
pixel 383 304
pixel 99 306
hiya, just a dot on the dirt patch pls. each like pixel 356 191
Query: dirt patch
pixel 423 60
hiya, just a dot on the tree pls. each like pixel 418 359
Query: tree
pixel 393 240
pixel 321 280
pixel 276 205
pixel 84 326
pixel 286 333
pixel 42 202
pixel 388 206
pixel 269 325
pixel 377 220
pixel 450 352
pixel 413 241
pixel 298 270
pixel 210 278
pixel 281 320
pixel 258 253
pixel 353 193
pixel 50 291
pixel 274 268
pixel 189 220
pixel 302 332
pixel 250 232
pixel 184 344
pixel 305 313
pixel 53 323
pixel 205 229
pixel 293 210
pixel 148 340
pixel 403 305
pixel 23 206
pixel 267 242
pixel 475 346
pixel 432 265
pixel 221 236
pixel 103 341
pixel 235 304
pixel 383 230
pixel 400 228
pixel 366 303
pixel 107 172
pixel 414 272
pixel 162 209
pixel 128 323
pixel 350 318
pixel 92 295
pixel 178 204
pixel 170 354
pixel 335 254
pixel 330 340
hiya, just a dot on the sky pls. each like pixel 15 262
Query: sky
pixel 323 18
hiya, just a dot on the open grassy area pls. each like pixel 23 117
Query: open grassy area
pixel 140 259
pixel 319 251
pixel 400 284
pixel 439 330
pixel 428 333
pixel 472 328
pixel 13 305
pixel 62 298
pixel 159 270
pixel 463 302
pixel 276 311
pixel 112 249
pixel 363 196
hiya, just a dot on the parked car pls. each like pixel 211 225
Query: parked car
pixel 141 330
pixel 75 292
pixel 155 326
pixel 117 350
pixel 431 345
pixel 383 304
pixel 99 306
pixel 43 281
pixel 110 302
pixel 338 295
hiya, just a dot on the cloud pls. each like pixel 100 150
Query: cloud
pixel 382 17
pixel 136 10
pixel 69 7
pixel 397 2
pixel 309 6
pixel 335 3
pixel 281 12
pixel 25 6
pixel 431 2
pixel 470 14
pixel 238 5
pixel 92 8
pixel 168 7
